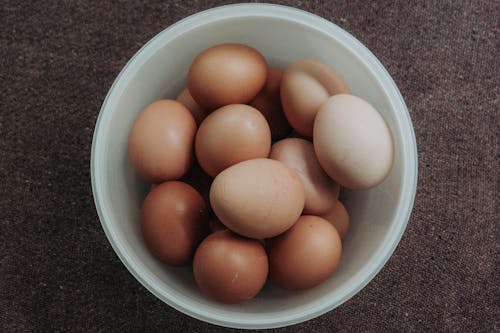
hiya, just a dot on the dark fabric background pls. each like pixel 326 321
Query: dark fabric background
pixel 58 272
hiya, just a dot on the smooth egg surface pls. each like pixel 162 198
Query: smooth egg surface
pixel 160 143
pixel 258 198
pixel 229 268
pixel 174 220
pixel 226 74
pixel 229 135
pixel 305 255
pixel 353 142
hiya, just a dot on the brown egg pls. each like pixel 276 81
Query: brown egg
pixel 257 198
pixel 226 74
pixel 306 84
pixel 187 100
pixel 268 102
pixel 305 255
pixel 231 134
pixel 173 222
pixel 320 190
pixel 339 218
pixel 160 143
pixel 353 142
pixel 229 268
pixel 200 181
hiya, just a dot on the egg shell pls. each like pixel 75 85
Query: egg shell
pixel 268 102
pixel 187 100
pixel 173 221
pixel 338 217
pixel 321 192
pixel 226 74
pixel 305 255
pixel 229 268
pixel 229 135
pixel 160 143
pixel 258 198
pixel 353 142
pixel 305 86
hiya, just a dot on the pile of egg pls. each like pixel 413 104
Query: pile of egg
pixel 246 166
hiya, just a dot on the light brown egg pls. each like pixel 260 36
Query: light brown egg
pixel 353 142
pixel 305 255
pixel 226 74
pixel 174 220
pixel 339 218
pixel 320 190
pixel 160 143
pixel 268 102
pixel 231 134
pixel 229 268
pixel 305 86
pixel 258 198
pixel 187 100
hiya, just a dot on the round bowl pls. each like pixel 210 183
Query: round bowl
pixel 283 35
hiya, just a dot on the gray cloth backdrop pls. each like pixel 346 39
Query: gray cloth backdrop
pixel 58 272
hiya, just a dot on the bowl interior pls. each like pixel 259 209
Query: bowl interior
pixel 159 70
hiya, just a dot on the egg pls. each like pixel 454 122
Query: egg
pixel 353 142
pixel 231 134
pixel 226 74
pixel 229 268
pixel 160 143
pixel 306 84
pixel 321 192
pixel 173 222
pixel 338 217
pixel 268 102
pixel 258 198
pixel 305 255
pixel 187 100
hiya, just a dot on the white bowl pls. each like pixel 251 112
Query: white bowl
pixel 283 35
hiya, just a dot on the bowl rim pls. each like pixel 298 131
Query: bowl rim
pixel 365 275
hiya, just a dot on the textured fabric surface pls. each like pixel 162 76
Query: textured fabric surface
pixel 58 273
